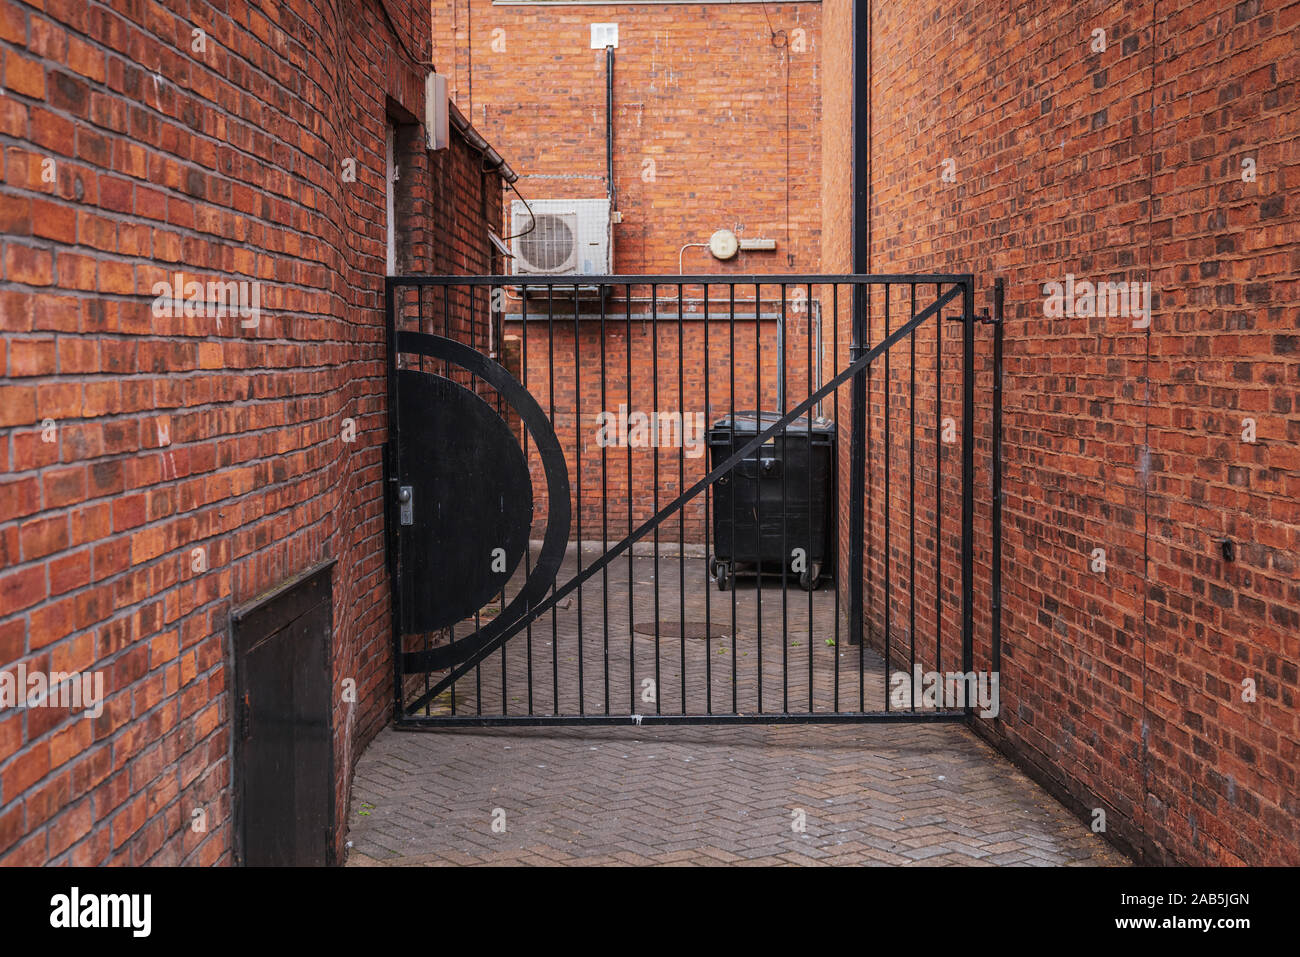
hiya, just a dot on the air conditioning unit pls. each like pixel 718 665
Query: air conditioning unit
pixel 571 237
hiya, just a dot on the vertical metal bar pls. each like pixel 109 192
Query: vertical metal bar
pixel 819 349
pixel 911 500
pixel 758 496
pixel 708 495
pixel 857 480
pixel 577 453
pixel 808 558
pixel 968 477
pixel 938 484
pixel 505 695
pixel 487 325
pixel 654 451
pixel 393 452
pixel 868 480
pixel 835 471
pixel 496 335
pixel 889 448
pixel 446 331
pixel 604 503
pixel 999 302
pixel 681 484
pixel 857 463
pixel 487 339
pixel 478 620
pixel 550 378
pixel 419 325
pixel 731 567
pixel 528 551
pixel 783 462
pixel 631 552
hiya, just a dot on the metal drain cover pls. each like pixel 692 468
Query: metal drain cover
pixel 696 630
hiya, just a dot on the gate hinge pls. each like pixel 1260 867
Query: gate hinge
pixel 245 718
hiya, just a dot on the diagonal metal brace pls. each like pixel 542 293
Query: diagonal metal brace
pixel 856 366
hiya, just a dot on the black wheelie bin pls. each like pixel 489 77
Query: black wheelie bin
pixel 772 510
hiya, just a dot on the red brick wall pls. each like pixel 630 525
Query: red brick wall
pixel 224 164
pixel 700 144
pixel 1123 690
pixel 699 91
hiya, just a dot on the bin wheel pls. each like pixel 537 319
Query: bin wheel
pixel 713 567
pixel 810 578
pixel 724 577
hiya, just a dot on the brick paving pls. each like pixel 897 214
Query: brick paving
pixel 870 794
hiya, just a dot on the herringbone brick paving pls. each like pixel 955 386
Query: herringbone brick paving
pixel 869 794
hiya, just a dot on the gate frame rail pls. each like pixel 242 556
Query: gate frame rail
pixel 860 358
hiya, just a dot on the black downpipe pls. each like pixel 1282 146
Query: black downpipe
pixel 609 125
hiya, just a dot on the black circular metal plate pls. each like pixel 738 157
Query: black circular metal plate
pixel 473 500
pixel 413 609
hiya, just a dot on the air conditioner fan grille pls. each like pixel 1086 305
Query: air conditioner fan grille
pixel 549 245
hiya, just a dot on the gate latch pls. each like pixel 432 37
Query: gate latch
pixel 406 499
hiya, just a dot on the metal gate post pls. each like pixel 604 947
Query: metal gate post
pixel 390 482
pixel 968 479
pixel 857 464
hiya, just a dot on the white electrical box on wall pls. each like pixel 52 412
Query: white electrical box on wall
pixel 604 35
pixel 436 112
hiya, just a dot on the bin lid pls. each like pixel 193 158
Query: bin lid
pixel 755 422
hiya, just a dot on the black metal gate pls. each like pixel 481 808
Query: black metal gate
pixel 605 507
